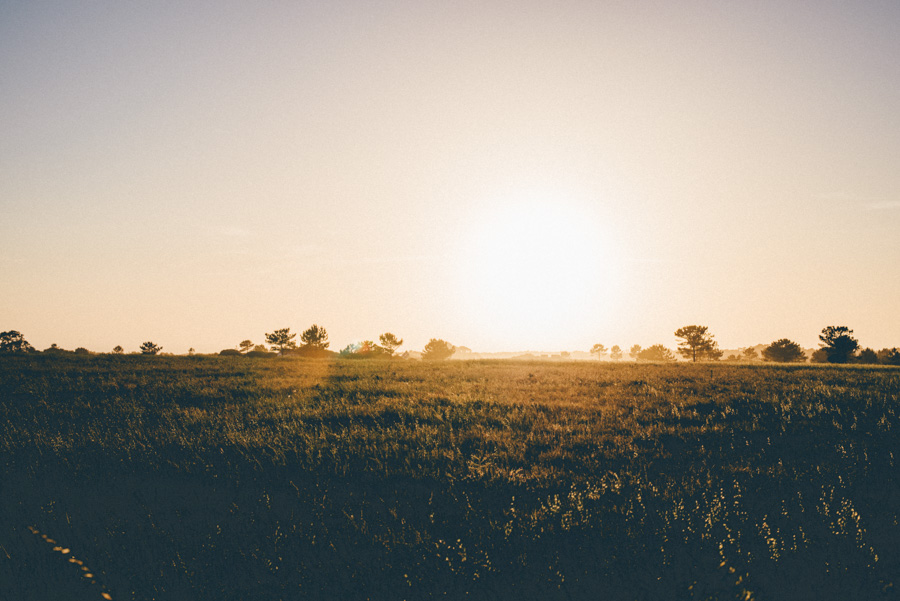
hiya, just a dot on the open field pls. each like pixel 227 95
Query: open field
pixel 205 478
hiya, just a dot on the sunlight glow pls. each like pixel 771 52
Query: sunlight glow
pixel 538 268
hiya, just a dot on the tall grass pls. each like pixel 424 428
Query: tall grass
pixel 202 478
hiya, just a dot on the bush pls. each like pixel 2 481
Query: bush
pixel 819 356
pixel 889 356
pixel 867 356
pixel 261 354
pixel 784 351
pixel 438 350
pixel 309 352
pixel 657 352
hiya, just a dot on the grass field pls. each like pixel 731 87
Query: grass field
pixel 213 479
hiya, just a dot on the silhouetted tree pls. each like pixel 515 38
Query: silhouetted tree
pixel 838 343
pixel 713 353
pixel 315 337
pixel 118 350
pixel 697 343
pixel 230 352
pixel 55 349
pixel 14 342
pixel 599 350
pixel 615 353
pixel 657 352
pixel 784 351
pixel 390 343
pixel 245 346
pixel 149 348
pixel 191 351
pixel 819 356
pixel 635 352
pixel 282 339
pixel 867 356
pixel 437 350
pixel 889 356
pixel 82 351
pixel 749 354
pixel 260 352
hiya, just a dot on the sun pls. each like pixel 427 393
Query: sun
pixel 538 272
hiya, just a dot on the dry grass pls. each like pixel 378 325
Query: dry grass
pixel 232 478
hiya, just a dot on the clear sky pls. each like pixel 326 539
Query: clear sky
pixel 503 175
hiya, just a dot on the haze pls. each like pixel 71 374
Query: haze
pixel 503 175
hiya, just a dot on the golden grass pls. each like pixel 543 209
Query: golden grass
pixel 480 479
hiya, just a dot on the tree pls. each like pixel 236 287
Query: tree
pixel 14 342
pixel 118 350
pixel 260 351
pixel 889 356
pixel 714 353
pixel 282 339
pixel 367 347
pixel 599 350
pixel 390 343
pixel 82 351
pixel 349 350
pixel 819 356
pixel 245 346
pixel 191 351
pixel 635 351
pixel 149 348
pixel 315 337
pixel 749 354
pixel 657 352
pixel 260 354
pixel 437 350
pixel 697 343
pixel 784 351
pixel 615 353
pixel 838 343
pixel 867 356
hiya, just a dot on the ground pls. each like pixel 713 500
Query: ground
pixel 237 478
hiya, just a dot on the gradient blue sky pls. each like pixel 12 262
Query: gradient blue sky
pixel 200 173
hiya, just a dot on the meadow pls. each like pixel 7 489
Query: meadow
pixel 201 478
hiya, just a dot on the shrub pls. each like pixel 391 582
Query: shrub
pixel 784 351
pixel 657 352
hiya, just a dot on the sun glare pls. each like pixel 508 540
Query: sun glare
pixel 537 270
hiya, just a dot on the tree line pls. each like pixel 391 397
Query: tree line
pixel 696 343
pixel 282 342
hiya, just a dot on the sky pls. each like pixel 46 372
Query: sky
pixel 502 175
